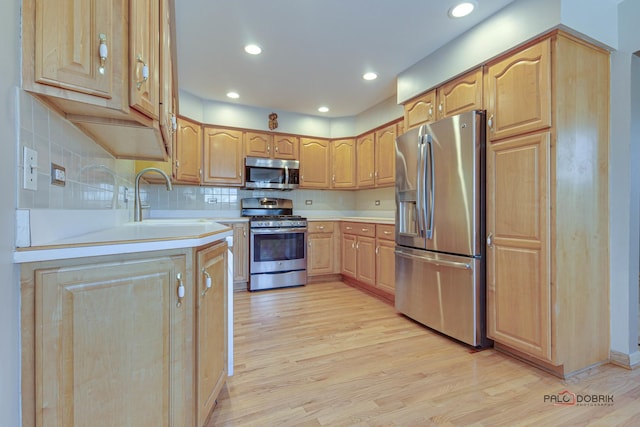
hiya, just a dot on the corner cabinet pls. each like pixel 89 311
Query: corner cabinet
pixel 547 233
pixel 343 163
pixel 97 62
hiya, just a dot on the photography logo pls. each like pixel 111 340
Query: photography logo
pixel 567 398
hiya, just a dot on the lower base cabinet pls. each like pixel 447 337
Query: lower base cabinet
pixel 109 341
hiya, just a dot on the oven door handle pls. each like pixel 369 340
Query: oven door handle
pixel 278 230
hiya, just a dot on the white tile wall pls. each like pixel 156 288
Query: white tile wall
pixel 95 179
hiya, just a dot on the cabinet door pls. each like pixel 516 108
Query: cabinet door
pixel 68 56
pixel 144 21
pixel 188 152
pixel 258 144
pixel 365 153
pixel 385 156
pixel 240 252
pixel 385 265
pixel 420 110
pixel 343 159
pixel 167 115
pixel 286 147
pixel 518 97
pixel 223 156
pixel 211 326
pixel 518 227
pixel 314 163
pixel 349 255
pixel 320 254
pixel 366 260
pixel 461 95
pixel 112 344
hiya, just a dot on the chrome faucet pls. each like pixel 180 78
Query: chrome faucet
pixel 137 208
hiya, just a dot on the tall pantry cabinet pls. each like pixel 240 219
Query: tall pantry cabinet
pixel 547 197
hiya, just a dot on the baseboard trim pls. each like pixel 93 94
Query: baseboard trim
pixel 628 361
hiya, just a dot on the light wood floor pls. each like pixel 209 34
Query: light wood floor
pixel 329 355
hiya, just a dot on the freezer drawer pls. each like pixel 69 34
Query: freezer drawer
pixel 443 292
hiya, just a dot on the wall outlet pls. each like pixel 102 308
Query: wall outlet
pixel 30 164
pixel 377 202
pixel 58 175
pixel 308 202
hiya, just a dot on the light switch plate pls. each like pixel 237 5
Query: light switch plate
pixel 30 165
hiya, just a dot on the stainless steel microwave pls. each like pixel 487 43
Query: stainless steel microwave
pixel 274 174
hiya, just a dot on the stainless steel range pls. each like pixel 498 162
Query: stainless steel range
pixel 278 243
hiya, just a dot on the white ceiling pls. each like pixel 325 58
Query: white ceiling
pixel 314 51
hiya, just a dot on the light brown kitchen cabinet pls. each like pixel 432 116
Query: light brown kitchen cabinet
pixel 420 110
pixel 286 147
pixel 315 163
pixel 343 161
pixel 258 144
pixel 223 156
pixel 240 254
pixel 385 258
pixel 168 124
pixel 385 156
pixel 461 94
pixel 322 249
pixel 187 155
pixel 363 250
pixel 519 92
pixel 547 266
pixel 349 254
pixel 84 64
pixel 108 342
pixel 211 326
pixel 144 49
pixel 365 153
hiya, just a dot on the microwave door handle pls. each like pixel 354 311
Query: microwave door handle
pixel 286 175
pixel 432 187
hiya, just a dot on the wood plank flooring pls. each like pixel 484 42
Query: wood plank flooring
pixel 327 354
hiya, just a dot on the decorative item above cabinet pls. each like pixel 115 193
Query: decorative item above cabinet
pixel 99 68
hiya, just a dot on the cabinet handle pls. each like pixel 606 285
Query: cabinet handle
pixel 490 122
pixel 177 164
pixel 430 111
pixel 145 72
pixel 334 177
pixel 321 227
pixel 268 148
pixel 181 290
pixel 309 244
pixel 348 228
pixel 353 245
pixel 386 233
pixel 207 281
pixel 375 174
pixel 277 151
pixel 365 230
pixel 103 51
pixel 244 233
pixel 357 245
pixel 440 107
pixel 490 240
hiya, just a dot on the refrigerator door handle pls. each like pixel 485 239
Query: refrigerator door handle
pixel 420 197
pixel 431 173
pixel 442 263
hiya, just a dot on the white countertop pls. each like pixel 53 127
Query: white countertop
pixel 148 235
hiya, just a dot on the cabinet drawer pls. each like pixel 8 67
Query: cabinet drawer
pixel 358 228
pixel 385 231
pixel 320 227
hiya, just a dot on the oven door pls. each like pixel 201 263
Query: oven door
pixel 278 250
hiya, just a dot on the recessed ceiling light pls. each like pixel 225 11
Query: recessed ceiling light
pixel 462 9
pixel 323 109
pixel 370 76
pixel 233 95
pixel 253 49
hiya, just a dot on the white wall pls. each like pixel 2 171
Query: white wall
pixel 624 191
pixel 10 300
pixel 515 24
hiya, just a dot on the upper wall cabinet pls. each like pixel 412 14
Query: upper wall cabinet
pixel 385 173
pixel 272 146
pixel 460 95
pixel 223 156
pixel 420 110
pixel 97 63
pixel 315 163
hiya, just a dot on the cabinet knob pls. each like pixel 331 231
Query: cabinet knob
pixel 181 289
pixel 490 240
pixel 103 51
pixel 145 72
pixel 365 230
pixel 440 107
pixel 207 281
pixel 309 244
pixel 490 122
pixel 430 111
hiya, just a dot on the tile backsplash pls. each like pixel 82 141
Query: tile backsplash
pixel 94 178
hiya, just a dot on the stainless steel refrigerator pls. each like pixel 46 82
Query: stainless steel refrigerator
pixel 440 266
